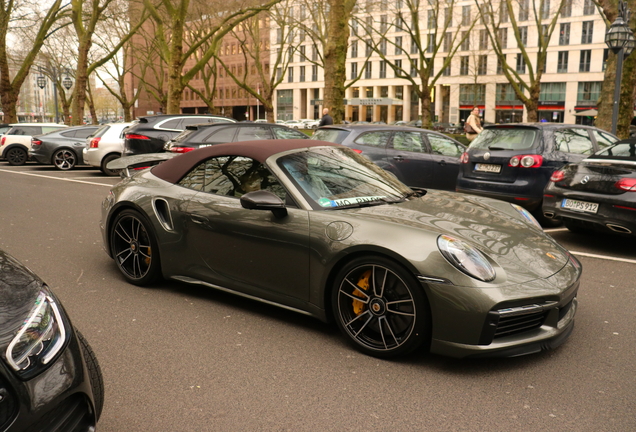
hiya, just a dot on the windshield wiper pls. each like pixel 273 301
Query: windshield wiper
pixel 497 148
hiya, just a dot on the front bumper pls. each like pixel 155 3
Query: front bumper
pixel 504 321
pixel 60 399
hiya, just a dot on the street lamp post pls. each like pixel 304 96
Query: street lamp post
pixel 620 39
pixel 67 83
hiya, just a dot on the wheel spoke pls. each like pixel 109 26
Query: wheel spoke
pixel 382 285
pixel 122 261
pixel 388 326
pixel 358 289
pixel 364 325
pixel 122 233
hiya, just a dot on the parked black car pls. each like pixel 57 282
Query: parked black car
pixel 49 376
pixel 417 157
pixel 151 133
pixel 514 162
pixel 203 135
pixel 62 148
pixel 598 193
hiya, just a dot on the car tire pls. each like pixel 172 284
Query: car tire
pixel 134 248
pixel 380 307
pixel 105 161
pixel 94 375
pixel 64 159
pixel 16 156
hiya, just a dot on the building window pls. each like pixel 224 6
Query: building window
pixel 564 34
pixel 431 43
pixel 586 58
pixel 398 45
pixel 448 17
pixel 523 35
pixel 473 94
pixel 588 93
pixel 562 63
pixel 463 65
pixel 524 9
pixel 354 28
pixel 483 39
pixel 431 23
pixel 354 49
pixel 314 73
pixel 414 49
pixel 301 55
pixel 448 40
pixel 301 77
pixel 383 47
pixel 505 93
pixel 552 92
pixel 502 34
pixel 446 71
pixel 465 15
pixel 314 54
pixel 566 11
pixel 605 57
pixel 414 68
pixel 543 69
pixel 521 64
pixel 503 12
pixel 545 9
pixel 399 92
pixel 500 65
pixel 588 7
pixel 369 91
pixel 367 70
pixel 368 47
pixel 354 70
pixel 279 73
pixel 398 68
pixel 588 31
pixel 544 31
pixel 399 21
pixel 383 24
pixel 482 67
pixel 290 74
pixel 465 46
pixel 279 36
pixel 382 69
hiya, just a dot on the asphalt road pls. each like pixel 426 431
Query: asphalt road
pixel 183 358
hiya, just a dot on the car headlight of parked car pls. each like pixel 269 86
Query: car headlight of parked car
pixel 466 258
pixel 527 215
pixel 41 336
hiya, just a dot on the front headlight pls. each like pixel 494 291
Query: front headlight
pixel 39 339
pixel 527 216
pixel 466 258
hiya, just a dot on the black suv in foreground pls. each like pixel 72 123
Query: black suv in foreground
pixel 151 133
pixel 49 377
pixel 203 135
pixel 514 162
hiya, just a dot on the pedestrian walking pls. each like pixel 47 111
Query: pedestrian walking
pixel 326 118
pixel 472 126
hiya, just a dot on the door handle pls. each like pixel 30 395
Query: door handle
pixel 199 219
pixel 442 163
pixel 398 158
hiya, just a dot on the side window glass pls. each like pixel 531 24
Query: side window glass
pixel 222 135
pixel 190 121
pixel 603 140
pixel 374 139
pixel 69 134
pixel 195 178
pixel 283 133
pixel 27 130
pixel 235 176
pixel 84 133
pixel 573 141
pixel 444 146
pixel 253 133
pixel 170 124
pixel 47 129
pixel 408 141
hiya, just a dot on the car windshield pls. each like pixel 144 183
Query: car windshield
pixel 505 138
pixel 335 178
pixel 622 151
pixel 331 135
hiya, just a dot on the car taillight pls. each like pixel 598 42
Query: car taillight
pixel 95 142
pixel 4 138
pixel 176 149
pixel 557 176
pixel 526 161
pixel 357 151
pixel 464 158
pixel 35 142
pixel 135 136
pixel 626 184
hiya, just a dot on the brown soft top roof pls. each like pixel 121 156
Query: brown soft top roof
pixel 174 169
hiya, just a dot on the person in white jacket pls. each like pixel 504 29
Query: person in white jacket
pixel 474 122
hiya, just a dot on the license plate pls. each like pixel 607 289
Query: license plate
pixel 582 206
pixel 488 168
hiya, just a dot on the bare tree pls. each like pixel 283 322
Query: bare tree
pixel 525 74
pixel 32 23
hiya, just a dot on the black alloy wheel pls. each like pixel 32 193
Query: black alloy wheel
pixel 105 161
pixel 16 156
pixel 134 248
pixel 64 159
pixel 94 375
pixel 380 307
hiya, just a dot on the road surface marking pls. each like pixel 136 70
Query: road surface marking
pixel 55 178
pixel 604 257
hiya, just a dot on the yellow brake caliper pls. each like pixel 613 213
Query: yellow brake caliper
pixel 147 260
pixel 363 284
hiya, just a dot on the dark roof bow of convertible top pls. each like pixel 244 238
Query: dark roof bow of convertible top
pixel 174 169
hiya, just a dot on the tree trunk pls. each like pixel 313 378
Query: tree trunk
pixel 335 54
pixel 81 82
pixel 425 100
pixel 532 103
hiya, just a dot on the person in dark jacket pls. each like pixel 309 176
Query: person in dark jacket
pixel 326 118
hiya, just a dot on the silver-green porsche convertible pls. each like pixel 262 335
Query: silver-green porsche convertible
pixel 317 228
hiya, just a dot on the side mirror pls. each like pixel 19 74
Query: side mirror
pixel 264 200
